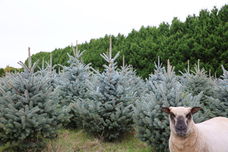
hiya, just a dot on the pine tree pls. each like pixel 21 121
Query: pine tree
pixel 198 82
pixel 135 83
pixel 73 86
pixel 50 71
pixel 224 77
pixel 108 113
pixel 157 77
pixel 27 112
pixel 222 92
pixel 164 90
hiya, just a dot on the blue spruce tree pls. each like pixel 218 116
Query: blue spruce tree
pixel 73 86
pixel 198 82
pixel 222 92
pixel 27 112
pixel 135 83
pixel 50 71
pixel 164 90
pixel 157 77
pixel 107 114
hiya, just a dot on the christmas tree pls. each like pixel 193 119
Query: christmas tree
pixel 73 85
pixel 27 112
pixel 50 71
pixel 164 90
pixel 108 113
pixel 135 83
pixel 158 75
pixel 198 82
pixel 222 92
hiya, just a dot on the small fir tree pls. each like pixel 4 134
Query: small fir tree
pixel 73 86
pixel 222 92
pixel 198 82
pixel 50 71
pixel 157 77
pixel 108 113
pixel 27 112
pixel 136 84
pixel 164 90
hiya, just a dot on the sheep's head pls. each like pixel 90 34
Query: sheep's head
pixel 181 119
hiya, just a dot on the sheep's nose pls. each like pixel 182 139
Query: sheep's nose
pixel 181 130
pixel 181 127
pixel 180 124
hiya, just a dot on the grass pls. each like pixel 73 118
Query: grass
pixel 79 141
pixel 3 147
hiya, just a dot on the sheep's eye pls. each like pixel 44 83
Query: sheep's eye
pixel 172 116
pixel 189 116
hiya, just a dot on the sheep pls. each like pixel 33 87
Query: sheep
pixel 186 136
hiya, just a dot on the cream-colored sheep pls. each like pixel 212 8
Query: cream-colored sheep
pixel 186 136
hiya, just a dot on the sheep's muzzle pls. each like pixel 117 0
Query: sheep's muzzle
pixel 181 126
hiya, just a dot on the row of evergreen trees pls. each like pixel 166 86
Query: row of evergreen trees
pixel 8 69
pixel 202 36
pixel 2 72
pixel 108 104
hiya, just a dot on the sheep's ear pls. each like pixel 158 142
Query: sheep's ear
pixel 166 109
pixel 195 109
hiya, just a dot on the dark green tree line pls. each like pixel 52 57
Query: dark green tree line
pixel 203 37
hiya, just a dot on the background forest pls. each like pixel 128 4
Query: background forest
pixel 202 37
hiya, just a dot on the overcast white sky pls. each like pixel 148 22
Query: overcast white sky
pixel 48 24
